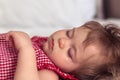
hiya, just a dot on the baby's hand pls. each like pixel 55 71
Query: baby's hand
pixel 21 39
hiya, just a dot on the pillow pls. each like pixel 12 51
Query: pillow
pixel 34 14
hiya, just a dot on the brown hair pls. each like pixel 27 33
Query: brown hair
pixel 109 38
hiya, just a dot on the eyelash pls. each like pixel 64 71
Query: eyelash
pixel 69 53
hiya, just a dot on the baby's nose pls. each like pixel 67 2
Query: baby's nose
pixel 62 42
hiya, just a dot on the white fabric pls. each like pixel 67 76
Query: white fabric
pixel 35 16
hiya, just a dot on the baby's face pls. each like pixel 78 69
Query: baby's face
pixel 65 48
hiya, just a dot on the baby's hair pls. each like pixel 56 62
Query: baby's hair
pixel 108 37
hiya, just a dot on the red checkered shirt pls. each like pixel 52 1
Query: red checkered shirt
pixel 8 58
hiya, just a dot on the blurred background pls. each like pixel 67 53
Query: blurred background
pixel 108 11
pixel 43 17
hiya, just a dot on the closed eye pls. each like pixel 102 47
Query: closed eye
pixel 69 33
pixel 71 53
